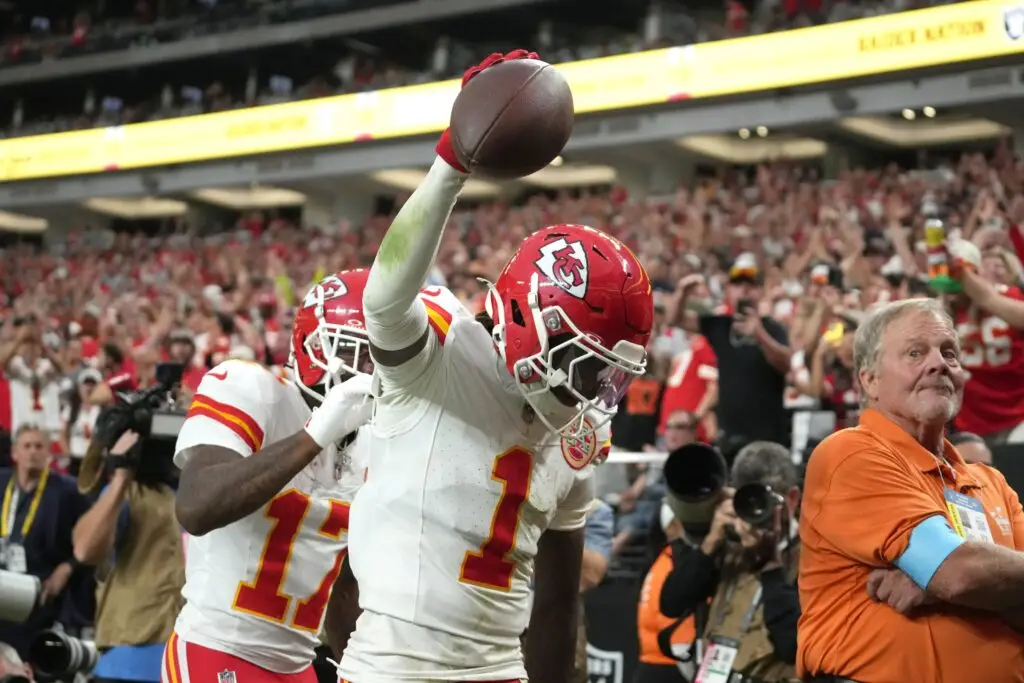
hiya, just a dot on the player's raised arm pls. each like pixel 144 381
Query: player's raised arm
pixel 396 321
pixel 227 473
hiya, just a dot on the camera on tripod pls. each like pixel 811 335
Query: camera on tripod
pixel 154 416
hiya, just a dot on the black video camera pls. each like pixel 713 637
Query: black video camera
pixel 153 415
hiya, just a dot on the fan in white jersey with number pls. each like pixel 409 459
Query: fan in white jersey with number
pixel 480 448
pixel 269 469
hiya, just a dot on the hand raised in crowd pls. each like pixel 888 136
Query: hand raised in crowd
pixel 990 236
pixel 725 517
pixel 897 590
pixel 746 322
pixel 27 333
pixel 688 283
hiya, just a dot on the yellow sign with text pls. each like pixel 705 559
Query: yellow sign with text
pixel 963 32
pixel 912 40
pixel 598 85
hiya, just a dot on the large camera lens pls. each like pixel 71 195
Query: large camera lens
pixel 695 472
pixel 695 475
pixel 57 654
pixel 755 504
pixel 19 594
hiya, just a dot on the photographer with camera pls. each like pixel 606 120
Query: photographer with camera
pixel 131 534
pixel 746 562
pixel 40 507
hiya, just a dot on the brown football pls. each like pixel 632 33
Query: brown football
pixel 512 119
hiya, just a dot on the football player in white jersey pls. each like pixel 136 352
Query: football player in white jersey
pixel 268 470
pixel 483 434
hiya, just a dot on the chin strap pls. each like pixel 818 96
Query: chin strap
pixel 495 308
pixel 533 303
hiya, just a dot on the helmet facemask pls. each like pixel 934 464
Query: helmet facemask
pixel 340 351
pixel 570 365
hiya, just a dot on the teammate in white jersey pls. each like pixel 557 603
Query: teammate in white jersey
pixel 483 434
pixel 266 482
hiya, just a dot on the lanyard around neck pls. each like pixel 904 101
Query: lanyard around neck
pixel 9 511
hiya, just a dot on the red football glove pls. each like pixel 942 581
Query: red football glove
pixel 444 145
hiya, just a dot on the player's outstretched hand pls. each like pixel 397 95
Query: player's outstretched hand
pixel 444 145
pixel 346 408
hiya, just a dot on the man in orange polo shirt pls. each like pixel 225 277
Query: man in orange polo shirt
pixel 910 569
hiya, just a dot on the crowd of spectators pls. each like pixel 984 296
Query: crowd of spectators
pixel 104 27
pixel 70 31
pixel 96 311
pixel 357 70
pixel 101 309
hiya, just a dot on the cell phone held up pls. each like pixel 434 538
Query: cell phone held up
pixel 745 307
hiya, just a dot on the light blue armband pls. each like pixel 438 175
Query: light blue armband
pixel 931 542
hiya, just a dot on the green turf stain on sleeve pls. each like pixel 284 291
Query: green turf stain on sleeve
pixel 397 243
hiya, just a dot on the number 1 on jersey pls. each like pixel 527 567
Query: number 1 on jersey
pixel 489 566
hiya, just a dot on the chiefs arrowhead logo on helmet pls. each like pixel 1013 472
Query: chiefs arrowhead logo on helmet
pixel 329 328
pixel 565 264
pixel 332 286
pixel 559 330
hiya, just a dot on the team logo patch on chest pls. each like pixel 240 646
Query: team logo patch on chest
pixel 579 453
pixel 565 264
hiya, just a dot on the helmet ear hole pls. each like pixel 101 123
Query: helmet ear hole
pixel 517 314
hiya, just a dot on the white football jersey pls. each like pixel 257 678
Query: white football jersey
pixel 445 530
pixel 258 588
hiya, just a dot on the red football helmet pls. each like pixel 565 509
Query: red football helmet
pixel 573 313
pixel 329 333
